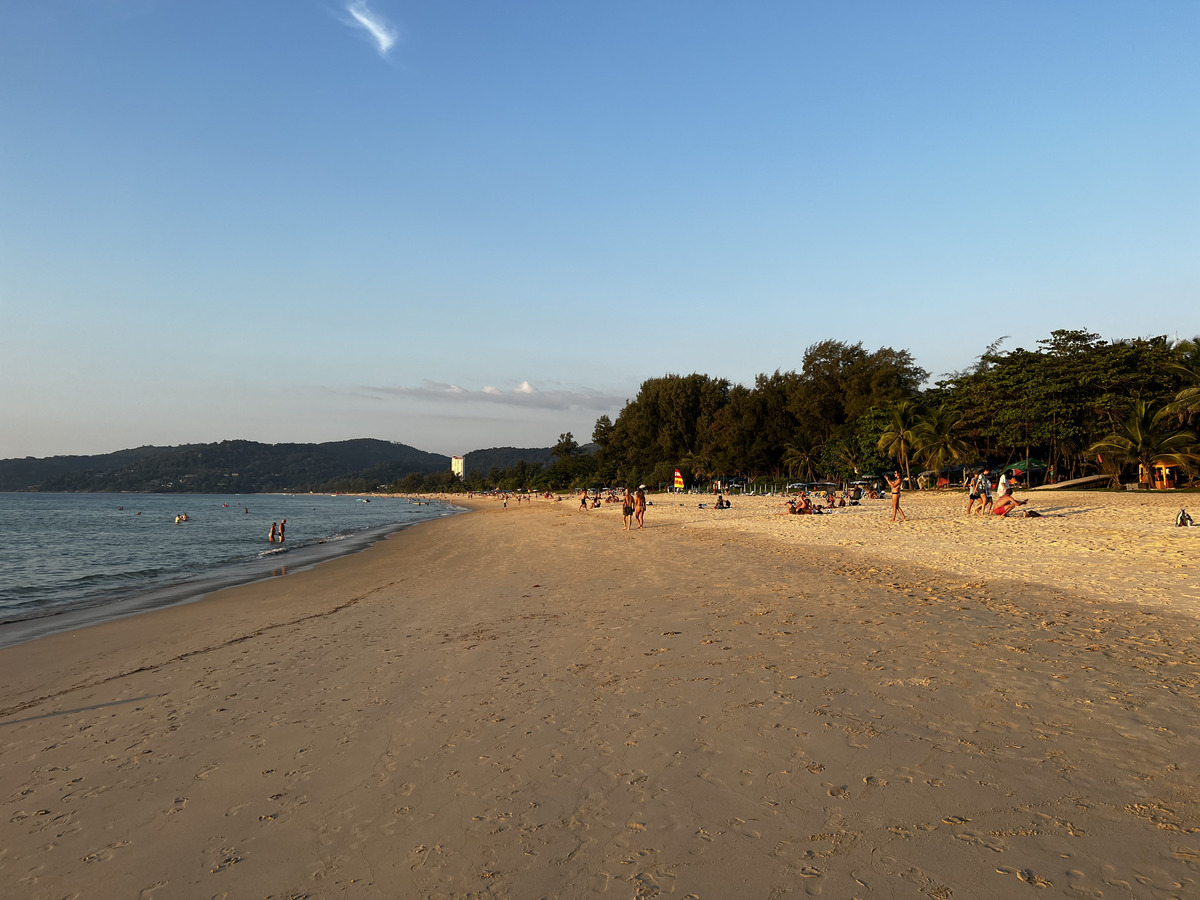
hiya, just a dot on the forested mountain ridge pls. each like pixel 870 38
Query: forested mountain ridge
pixel 225 467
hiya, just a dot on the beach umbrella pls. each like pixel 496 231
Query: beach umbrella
pixel 1026 465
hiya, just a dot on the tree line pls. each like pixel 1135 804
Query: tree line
pixel 1081 404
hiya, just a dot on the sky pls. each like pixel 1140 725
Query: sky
pixel 462 225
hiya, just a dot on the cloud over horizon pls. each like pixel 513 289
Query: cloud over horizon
pixel 382 33
pixel 524 395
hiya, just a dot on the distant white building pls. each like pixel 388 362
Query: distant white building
pixel 456 465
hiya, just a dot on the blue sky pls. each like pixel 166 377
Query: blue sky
pixel 471 224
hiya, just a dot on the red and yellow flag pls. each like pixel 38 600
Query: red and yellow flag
pixel 678 480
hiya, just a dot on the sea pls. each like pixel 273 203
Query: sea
pixel 69 560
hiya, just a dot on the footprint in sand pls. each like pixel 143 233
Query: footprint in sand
pixel 1026 875
pixel 982 840
pixel 230 858
pixel 651 884
pixel 105 853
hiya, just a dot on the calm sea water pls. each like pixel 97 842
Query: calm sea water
pixel 71 559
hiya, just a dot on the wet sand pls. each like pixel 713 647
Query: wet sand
pixel 533 703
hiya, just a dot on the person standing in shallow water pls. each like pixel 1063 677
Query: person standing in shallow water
pixel 274 531
pixel 282 525
pixel 894 484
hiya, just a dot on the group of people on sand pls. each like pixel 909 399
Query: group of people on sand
pixel 633 504
pixel 277 531
pixel 590 502
pixel 802 504
pixel 979 490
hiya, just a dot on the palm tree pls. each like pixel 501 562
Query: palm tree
pixel 936 441
pixel 848 456
pixel 899 436
pixel 1143 438
pixel 700 465
pixel 1187 402
pixel 798 458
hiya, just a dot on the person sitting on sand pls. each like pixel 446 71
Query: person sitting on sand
pixel 804 506
pixel 1006 504
pixel 789 508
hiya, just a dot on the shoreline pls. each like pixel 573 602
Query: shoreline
pixel 530 702
pixel 135 600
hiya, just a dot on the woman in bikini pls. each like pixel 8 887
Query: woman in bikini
pixel 894 484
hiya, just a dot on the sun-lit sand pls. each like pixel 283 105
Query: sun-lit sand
pixel 529 702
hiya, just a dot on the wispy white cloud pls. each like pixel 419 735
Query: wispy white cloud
pixel 382 33
pixel 523 395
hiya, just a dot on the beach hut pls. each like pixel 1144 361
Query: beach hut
pixel 1164 477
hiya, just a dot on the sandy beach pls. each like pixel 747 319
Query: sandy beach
pixel 530 702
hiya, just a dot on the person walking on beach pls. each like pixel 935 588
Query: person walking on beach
pixel 282 524
pixel 627 510
pixel 985 491
pixel 894 484
pixel 639 506
pixel 973 494
pixel 274 531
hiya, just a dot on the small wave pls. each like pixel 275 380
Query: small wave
pixel 128 575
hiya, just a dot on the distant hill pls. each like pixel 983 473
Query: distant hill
pixel 243 467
